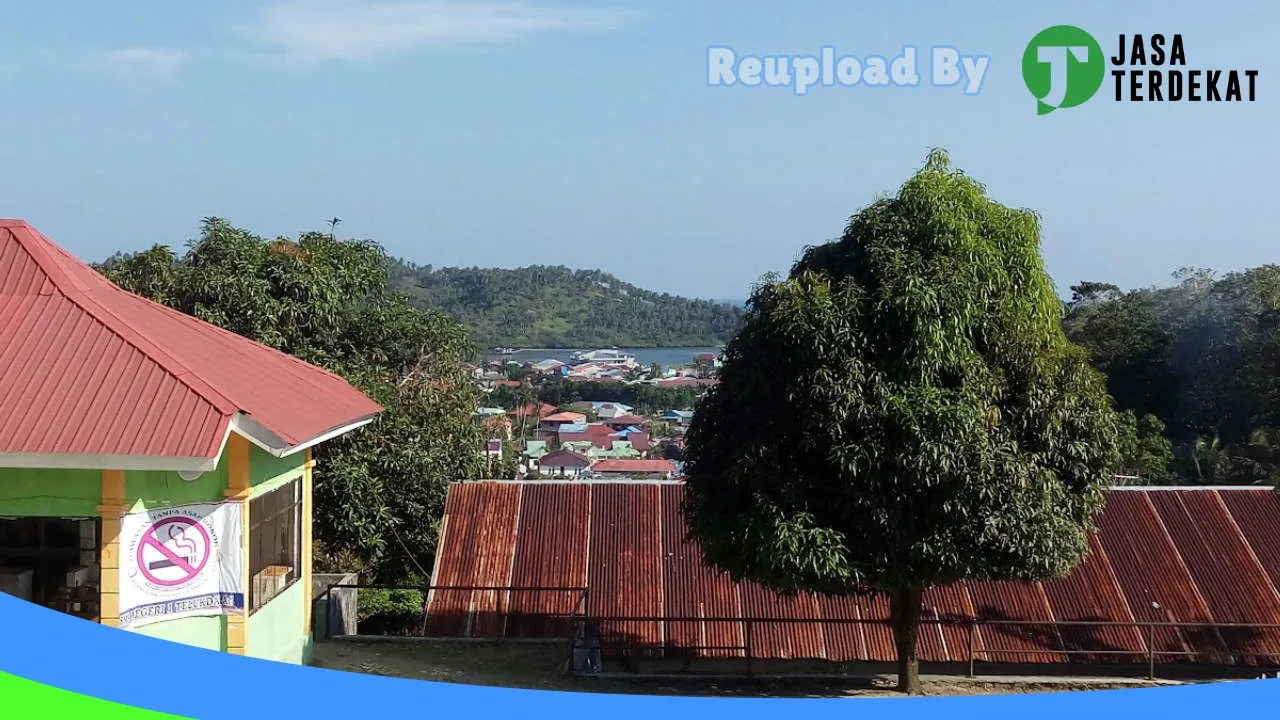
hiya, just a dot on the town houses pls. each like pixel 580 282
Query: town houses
pixel 590 439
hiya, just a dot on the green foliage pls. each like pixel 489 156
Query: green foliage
pixel 379 492
pixel 1144 450
pixel 555 307
pixel 389 612
pixel 904 411
pixel 1202 356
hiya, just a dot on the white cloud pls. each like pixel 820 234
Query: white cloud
pixel 155 60
pixel 358 30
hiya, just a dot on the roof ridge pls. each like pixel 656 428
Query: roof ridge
pixel 79 294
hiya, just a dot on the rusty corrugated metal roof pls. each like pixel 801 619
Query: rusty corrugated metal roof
pixel 87 369
pixel 1160 555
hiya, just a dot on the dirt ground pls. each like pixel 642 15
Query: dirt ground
pixel 538 666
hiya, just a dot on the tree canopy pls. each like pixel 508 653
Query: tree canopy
pixel 904 411
pixel 1200 360
pixel 379 492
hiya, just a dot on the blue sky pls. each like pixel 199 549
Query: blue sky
pixel 506 134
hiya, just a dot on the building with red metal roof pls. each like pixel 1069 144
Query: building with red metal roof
pixel 1191 574
pixel 165 462
pixel 637 468
pixel 96 377
pixel 563 463
pixel 539 410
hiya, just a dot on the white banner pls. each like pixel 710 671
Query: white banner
pixel 180 561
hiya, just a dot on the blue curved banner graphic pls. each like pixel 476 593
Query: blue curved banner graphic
pixel 76 656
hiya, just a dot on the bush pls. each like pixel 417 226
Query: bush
pixel 390 612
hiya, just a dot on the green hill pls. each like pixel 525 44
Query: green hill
pixel 558 307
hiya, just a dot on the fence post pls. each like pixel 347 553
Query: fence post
pixel 972 626
pixel 746 643
pixel 1151 654
pixel 502 616
pixel 328 611
pixel 426 593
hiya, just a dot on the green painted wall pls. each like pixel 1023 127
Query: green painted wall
pixel 268 472
pixel 209 633
pixel 50 493
pixel 275 630
pixel 147 489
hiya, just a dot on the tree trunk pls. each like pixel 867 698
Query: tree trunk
pixel 905 607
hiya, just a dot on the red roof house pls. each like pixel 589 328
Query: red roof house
pixel 120 418
pixel 533 410
pixel 92 376
pixel 634 468
pixel 565 418
pixel 563 463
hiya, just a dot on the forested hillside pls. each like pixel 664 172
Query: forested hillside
pixel 548 307
pixel 1203 357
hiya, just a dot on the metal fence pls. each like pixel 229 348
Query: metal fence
pixel 624 636
pixel 488 612
pixel 468 611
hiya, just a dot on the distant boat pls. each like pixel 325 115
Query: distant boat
pixel 611 356
pixel 506 351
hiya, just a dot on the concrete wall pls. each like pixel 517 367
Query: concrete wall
pixel 336 612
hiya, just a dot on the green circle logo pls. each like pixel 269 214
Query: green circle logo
pixel 1063 67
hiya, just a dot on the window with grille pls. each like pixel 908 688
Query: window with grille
pixel 275 542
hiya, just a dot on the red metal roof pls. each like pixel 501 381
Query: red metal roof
pixel 634 466
pixel 89 369
pixel 532 410
pixel 564 417
pixel 1164 555
pixel 603 442
pixel 564 458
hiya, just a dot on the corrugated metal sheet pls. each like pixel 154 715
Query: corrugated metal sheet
pixel 781 639
pixel 551 551
pixel 1204 556
pixel 1230 579
pixel 624 570
pixel 1092 594
pixel 88 369
pixel 481 546
pixel 1157 586
pixel 691 589
pixel 945 641
pixel 878 634
pixel 1014 601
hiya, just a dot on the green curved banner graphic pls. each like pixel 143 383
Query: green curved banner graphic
pixel 22 698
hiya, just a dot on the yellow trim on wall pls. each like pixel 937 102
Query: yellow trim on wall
pixel 110 511
pixel 306 543
pixel 238 488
